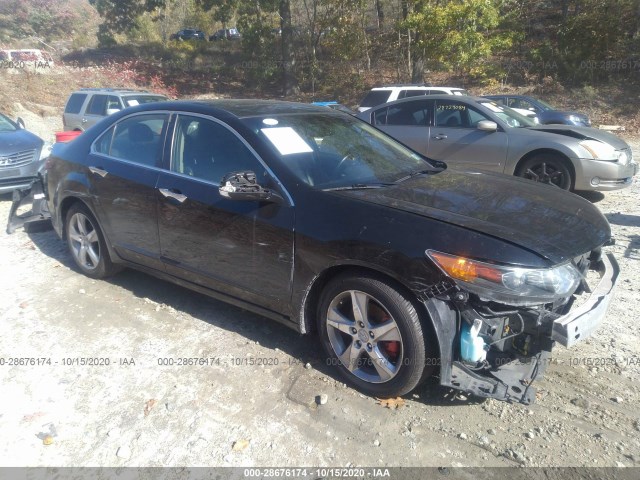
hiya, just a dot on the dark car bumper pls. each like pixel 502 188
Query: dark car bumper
pixel 32 194
pixel 512 380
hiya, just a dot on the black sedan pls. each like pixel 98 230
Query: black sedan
pixel 545 113
pixel 317 220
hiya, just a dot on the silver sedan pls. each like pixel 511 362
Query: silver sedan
pixel 477 133
pixel 21 155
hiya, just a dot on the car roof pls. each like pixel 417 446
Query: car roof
pixel 471 98
pixel 240 108
pixel 416 87
pixel 115 91
pixel 512 95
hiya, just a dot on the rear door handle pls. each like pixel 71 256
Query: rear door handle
pixel 98 171
pixel 440 136
pixel 176 195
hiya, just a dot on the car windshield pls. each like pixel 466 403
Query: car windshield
pixel 545 105
pixel 7 125
pixel 133 100
pixel 508 115
pixel 334 150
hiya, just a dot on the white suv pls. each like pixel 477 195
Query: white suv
pixel 379 95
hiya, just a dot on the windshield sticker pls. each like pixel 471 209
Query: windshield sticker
pixel 133 102
pixel 270 121
pixel 286 140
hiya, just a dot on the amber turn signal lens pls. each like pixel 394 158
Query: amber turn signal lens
pixel 464 269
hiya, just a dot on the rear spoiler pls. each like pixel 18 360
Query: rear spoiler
pixel 34 195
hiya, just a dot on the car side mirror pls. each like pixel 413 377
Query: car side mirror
pixel 111 111
pixel 487 126
pixel 243 186
pixel 20 123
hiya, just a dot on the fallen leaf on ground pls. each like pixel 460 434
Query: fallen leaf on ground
pixel 148 406
pixel 240 445
pixel 48 440
pixel 391 403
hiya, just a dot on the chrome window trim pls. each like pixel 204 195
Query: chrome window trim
pixel 92 149
pixel 176 113
pixel 238 136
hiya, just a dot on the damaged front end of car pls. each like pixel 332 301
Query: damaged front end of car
pixel 29 206
pixel 497 324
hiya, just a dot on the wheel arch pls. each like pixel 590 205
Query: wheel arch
pixel 312 298
pixel 547 151
pixel 63 209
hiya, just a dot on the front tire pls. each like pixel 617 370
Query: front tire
pixel 86 243
pixel 547 168
pixel 372 333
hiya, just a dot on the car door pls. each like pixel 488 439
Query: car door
pixel 124 168
pixel 97 109
pixel 242 248
pixel 455 138
pixel 407 122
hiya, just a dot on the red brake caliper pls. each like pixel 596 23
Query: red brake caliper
pixel 392 348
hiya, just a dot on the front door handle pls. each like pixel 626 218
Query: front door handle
pixel 176 195
pixel 440 136
pixel 98 171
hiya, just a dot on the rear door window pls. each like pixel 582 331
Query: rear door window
pixel 97 105
pixel 75 102
pixel 138 139
pixel 414 113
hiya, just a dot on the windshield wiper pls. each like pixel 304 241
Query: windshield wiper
pixel 414 174
pixel 359 186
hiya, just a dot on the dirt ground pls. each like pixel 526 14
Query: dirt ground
pixel 253 401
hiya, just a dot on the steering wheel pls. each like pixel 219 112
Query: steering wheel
pixel 341 163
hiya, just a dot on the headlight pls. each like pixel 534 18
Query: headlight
pixel 45 151
pixel 600 150
pixel 575 119
pixel 508 283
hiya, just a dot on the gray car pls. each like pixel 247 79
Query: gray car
pixel 21 155
pixel 477 133
pixel 88 106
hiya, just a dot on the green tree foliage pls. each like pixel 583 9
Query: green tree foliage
pixel 120 16
pixel 457 34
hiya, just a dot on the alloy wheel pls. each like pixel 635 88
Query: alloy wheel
pixel 364 336
pixel 84 241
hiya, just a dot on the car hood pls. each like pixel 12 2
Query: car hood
pixel 583 133
pixel 550 222
pixel 18 141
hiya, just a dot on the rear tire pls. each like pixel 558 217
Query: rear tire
pixel 372 334
pixel 86 243
pixel 547 168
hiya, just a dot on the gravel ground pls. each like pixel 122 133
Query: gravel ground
pixel 256 403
